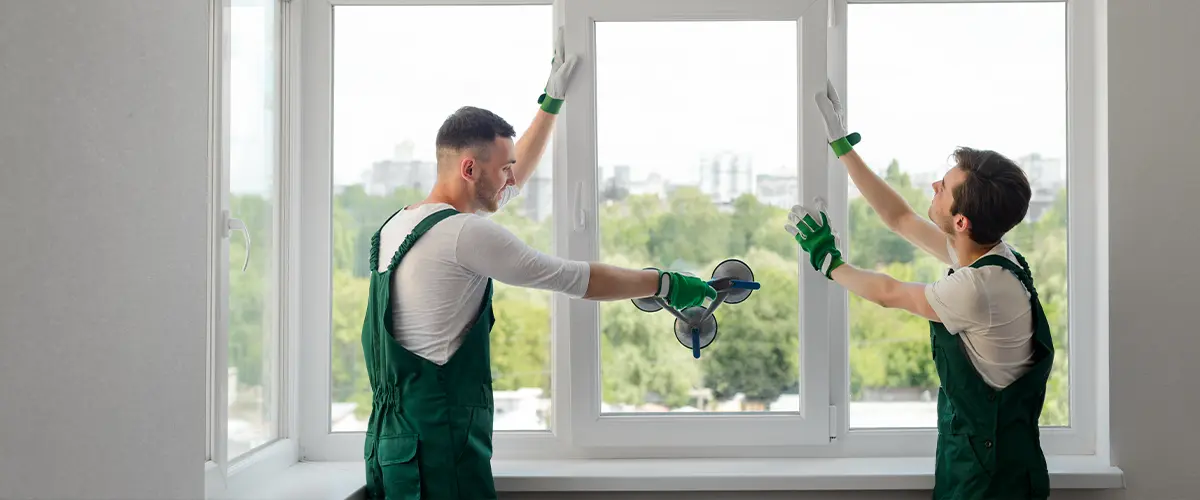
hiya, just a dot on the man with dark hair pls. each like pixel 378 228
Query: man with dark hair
pixel 989 337
pixel 425 335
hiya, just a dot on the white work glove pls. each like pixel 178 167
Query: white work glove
pixel 834 112
pixel 561 68
pixel 811 229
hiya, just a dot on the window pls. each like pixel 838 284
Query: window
pixel 689 131
pixel 1001 85
pixel 688 200
pixel 247 357
pixel 253 390
pixel 391 75
pixel 669 162
pixel 398 72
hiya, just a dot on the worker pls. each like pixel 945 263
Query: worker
pixel 425 334
pixel 989 336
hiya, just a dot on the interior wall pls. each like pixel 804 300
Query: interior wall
pixel 1154 128
pixel 103 189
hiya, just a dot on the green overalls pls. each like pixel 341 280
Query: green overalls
pixel 430 431
pixel 988 443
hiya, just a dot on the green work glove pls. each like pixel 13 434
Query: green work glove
pixel 816 238
pixel 561 68
pixel 834 113
pixel 683 291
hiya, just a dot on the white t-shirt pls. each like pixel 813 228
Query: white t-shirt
pixel 989 309
pixel 438 287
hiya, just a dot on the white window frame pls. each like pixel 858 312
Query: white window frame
pixel 581 241
pixel 224 477
pixel 318 440
pixel 577 429
pixel 1085 266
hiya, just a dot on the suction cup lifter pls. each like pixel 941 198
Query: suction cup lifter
pixel 696 327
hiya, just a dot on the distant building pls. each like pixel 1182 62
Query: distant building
pixel 616 184
pixel 781 191
pixel 400 171
pixel 726 176
pixel 538 195
pixel 1047 178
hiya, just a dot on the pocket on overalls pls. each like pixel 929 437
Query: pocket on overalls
pixel 399 466
pixel 474 460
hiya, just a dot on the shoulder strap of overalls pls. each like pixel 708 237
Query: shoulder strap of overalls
pixel 1025 275
pixel 374 260
pixel 428 222
pixel 1022 271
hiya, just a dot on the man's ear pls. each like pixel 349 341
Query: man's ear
pixel 467 168
pixel 962 223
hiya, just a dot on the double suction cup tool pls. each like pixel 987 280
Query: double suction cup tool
pixel 696 327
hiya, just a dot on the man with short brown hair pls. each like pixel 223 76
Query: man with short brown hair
pixel 989 336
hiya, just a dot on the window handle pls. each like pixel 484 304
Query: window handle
pixel 233 224
pixel 580 215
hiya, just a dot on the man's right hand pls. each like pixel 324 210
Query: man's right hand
pixel 682 291
pixel 834 113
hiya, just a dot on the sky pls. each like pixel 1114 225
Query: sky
pixel 923 79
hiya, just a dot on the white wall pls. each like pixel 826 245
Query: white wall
pixel 1154 131
pixel 102 191
pixel 103 188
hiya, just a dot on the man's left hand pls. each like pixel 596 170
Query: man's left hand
pixel 815 238
pixel 561 68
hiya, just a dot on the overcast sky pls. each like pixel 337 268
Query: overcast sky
pixel 923 78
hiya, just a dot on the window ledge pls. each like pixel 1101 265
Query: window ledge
pixel 307 480
pixel 903 473
pixel 345 480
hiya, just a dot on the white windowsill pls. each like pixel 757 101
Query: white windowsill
pixel 343 480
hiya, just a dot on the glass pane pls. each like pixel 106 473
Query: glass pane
pixel 697 146
pixel 399 71
pixel 1000 84
pixel 253 328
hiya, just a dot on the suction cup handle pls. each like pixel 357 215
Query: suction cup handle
pixel 729 283
pixel 749 285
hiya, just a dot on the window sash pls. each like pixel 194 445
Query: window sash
pixel 220 472
pixel 1086 268
pixel 578 238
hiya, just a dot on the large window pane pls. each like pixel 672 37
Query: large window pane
pixel 924 79
pixel 253 299
pixel 697 146
pixel 398 73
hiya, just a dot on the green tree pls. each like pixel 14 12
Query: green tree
pixel 641 360
pixel 690 232
pixel 757 348
pixel 520 339
pixel 249 321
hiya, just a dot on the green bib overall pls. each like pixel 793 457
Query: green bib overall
pixel 988 443
pixel 430 432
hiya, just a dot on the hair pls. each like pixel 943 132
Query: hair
pixel 994 196
pixel 471 127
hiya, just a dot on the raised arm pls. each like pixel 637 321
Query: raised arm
pixel 896 213
pixel 532 143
